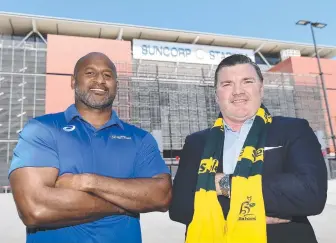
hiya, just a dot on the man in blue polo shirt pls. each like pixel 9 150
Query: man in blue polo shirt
pixel 83 175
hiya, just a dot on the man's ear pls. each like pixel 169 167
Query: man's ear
pixel 73 81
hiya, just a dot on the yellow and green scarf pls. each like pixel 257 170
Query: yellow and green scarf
pixel 246 220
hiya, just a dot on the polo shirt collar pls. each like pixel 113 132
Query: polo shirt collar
pixel 72 113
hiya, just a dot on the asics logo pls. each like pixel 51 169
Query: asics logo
pixel 69 128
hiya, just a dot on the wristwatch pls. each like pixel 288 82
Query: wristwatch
pixel 224 184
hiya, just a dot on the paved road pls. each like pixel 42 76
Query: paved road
pixel 157 227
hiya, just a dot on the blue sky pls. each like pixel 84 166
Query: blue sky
pixel 250 18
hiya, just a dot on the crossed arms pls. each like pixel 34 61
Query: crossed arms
pixel 42 200
pixel 45 200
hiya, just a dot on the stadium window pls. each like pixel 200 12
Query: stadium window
pixel 259 60
pixel 272 59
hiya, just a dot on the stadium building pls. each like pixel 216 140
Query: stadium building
pixel 165 76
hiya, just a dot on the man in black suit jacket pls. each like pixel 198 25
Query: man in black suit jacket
pixel 294 176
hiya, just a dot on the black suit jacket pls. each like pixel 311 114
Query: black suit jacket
pixel 294 180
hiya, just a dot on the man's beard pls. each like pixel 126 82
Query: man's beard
pixel 88 99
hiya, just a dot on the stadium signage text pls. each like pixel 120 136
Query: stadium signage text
pixel 187 53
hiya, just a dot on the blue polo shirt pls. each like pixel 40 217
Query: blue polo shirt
pixel 66 142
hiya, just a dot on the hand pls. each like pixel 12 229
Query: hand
pixel 70 181
pixel 271 220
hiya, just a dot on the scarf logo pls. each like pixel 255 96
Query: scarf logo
pixel 245 210
pixel 251 154
pixel 263 114
pixel 208 166
pixel 267 118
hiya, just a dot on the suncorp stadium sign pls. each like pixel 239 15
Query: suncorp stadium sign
pixel 188 53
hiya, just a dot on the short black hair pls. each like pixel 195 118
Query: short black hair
pixel 83 58
pixel 236 59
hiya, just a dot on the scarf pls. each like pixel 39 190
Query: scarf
pixel 246 220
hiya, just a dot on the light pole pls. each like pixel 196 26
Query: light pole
pixel 321 26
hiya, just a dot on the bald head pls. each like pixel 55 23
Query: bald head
pixel 91 56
